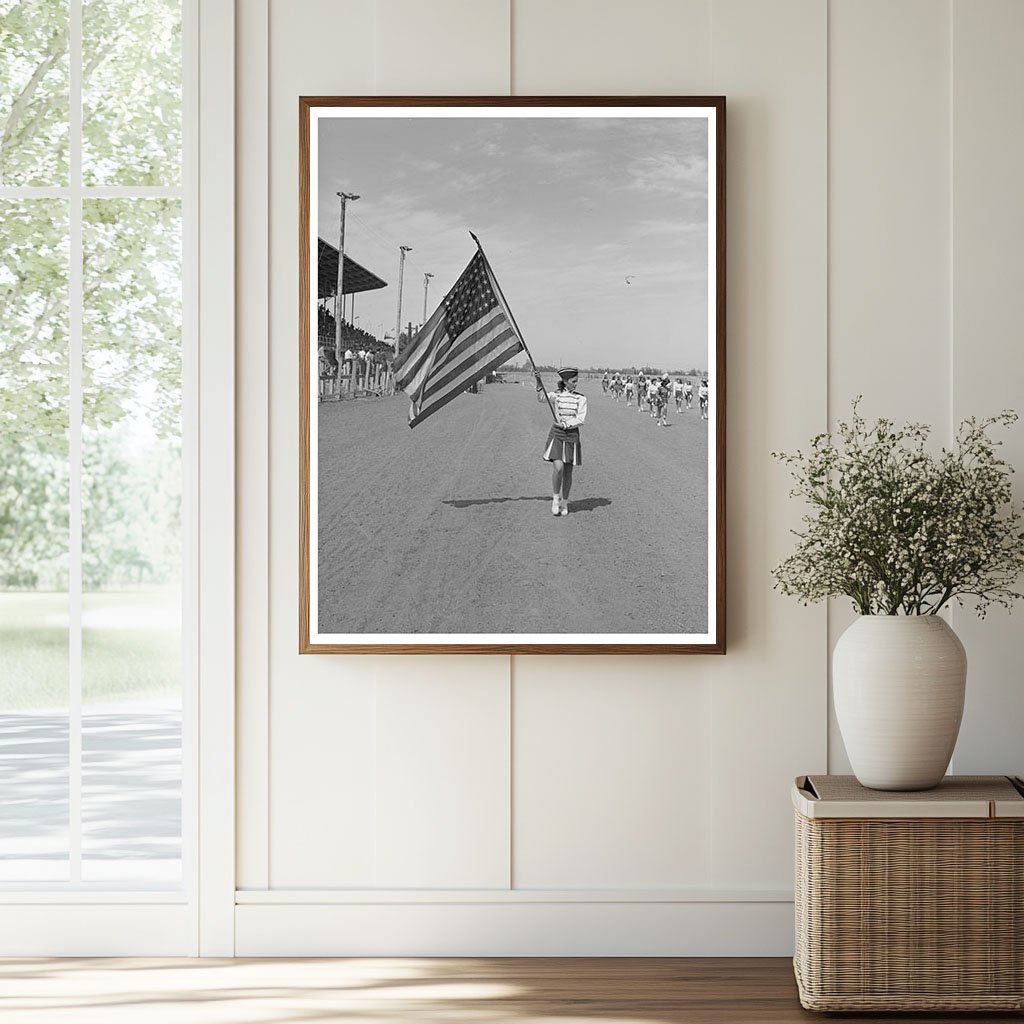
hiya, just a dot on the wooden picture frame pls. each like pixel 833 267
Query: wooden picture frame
pixel 442 540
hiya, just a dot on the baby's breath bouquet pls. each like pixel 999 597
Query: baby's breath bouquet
pixel 900 530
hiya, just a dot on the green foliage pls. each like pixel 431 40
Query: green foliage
pixel 33 514
pixel 898 529
pixel 131 94
pixel 132 312
pixel 33 322
pixel 131 509
pixel 33 92
pixel 131 303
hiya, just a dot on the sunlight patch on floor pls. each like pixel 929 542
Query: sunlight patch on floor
pixel 220 991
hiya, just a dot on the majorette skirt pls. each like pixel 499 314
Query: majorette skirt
pixel 564 445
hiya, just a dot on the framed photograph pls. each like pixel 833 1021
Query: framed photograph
pixel 512 374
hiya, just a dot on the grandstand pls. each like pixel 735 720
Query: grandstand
pixel 357 277
pixel 351 337
pixel 364 366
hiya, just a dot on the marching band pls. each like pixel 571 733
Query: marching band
pixel 655 392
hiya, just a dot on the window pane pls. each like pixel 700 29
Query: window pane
pixel 131 541
pixel 131 92
pixel 33 92
pixel 33 540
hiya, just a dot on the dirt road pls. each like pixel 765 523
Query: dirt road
pixel 448 528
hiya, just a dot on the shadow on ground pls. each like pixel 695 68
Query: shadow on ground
pixel 586 505
pixel 131 785
pixel 468 502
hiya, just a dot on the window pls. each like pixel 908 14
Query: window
pixel 95 454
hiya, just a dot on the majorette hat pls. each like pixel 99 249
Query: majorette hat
pixel 568 372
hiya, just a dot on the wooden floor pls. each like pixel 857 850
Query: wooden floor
pixel 381 991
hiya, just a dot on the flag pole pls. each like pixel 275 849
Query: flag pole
pixel 515 326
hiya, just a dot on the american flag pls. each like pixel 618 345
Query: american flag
pixel 468 335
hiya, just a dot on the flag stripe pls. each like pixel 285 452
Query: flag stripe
pixel 458 379
pixel 411 360
pixel 469 367
pixel 474 335
pixel 450 396
pixel 421 344
pixel 415 362
pixel 447 340
pixel 493 281
pixel 437 362
pixel 505 350
pixel 432 351
pixel 414 385
pixel 469 334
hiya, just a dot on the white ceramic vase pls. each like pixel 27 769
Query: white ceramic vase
pixel 898 684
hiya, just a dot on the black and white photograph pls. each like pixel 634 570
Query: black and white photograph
pixel 512 375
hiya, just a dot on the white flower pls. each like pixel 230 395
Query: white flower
pixel 892 526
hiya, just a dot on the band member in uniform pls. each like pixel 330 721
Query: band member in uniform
pixel 563 445
pixel 656 400
pixel 605 381
pixel 664 387
pixel 677 393
pixel 702 398
pixel 688 393
pixel 629 392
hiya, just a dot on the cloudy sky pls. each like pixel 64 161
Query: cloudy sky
pixel 566 209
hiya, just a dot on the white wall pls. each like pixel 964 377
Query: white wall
pixel 539 805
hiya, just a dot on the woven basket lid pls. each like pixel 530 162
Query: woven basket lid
pixel 957 796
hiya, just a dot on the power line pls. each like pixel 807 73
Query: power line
pixel 385 243
pixel 390 245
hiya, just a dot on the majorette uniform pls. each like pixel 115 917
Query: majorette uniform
pixel 563 443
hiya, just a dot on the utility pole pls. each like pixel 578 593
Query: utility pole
pixel 426 285
pixel 339 307
pixel 402 250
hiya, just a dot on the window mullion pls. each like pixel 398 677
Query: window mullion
pixel 75 303
pixel 148 871
pixel 94 191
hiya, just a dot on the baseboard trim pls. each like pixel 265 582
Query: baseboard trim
pixel 88 930
pixel 515 928
pixel 350 897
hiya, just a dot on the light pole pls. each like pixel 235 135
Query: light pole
pixel 338 300
pixel 402 250
pixel 426 285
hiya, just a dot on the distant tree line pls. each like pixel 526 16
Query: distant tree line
pixel 648 371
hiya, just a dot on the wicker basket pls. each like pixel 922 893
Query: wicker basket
pixel 910 901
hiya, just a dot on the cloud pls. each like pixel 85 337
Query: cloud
pixel 684 177
pixel 425 166
pixel 668 227
pixel 556 158
pixel 565 213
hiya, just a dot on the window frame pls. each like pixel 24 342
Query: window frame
pixel 92 918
